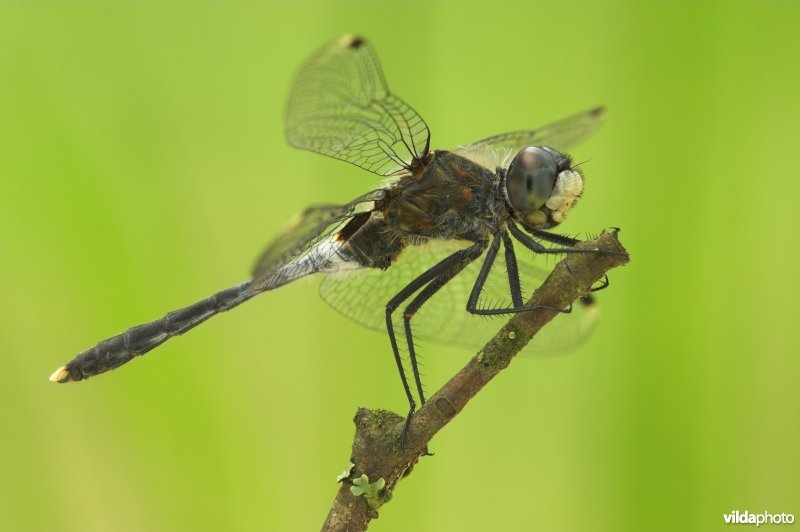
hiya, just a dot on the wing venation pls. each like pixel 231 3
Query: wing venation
pixel 340 106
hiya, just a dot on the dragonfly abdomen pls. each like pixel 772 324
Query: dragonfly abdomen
pixel 117 350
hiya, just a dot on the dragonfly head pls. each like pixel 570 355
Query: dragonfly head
pixel 540 186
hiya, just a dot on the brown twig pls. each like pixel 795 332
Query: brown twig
pixel 377 452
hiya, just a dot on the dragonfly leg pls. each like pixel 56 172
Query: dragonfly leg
pixel 528 241
pixel 425 294
pixel 561 240
pixel 434 278
pixel 512 271
pixel 569 242
pixel 603 284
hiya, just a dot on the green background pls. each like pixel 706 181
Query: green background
pixel 143 167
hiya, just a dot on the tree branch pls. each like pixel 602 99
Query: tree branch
pixel 377 451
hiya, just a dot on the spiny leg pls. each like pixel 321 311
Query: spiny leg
pixel 483 274
pixel 469 255
pixel 411 404
pixel 528 241
pixel 513 271
pixel 603 284
pixel 561 240
pixel 513 280
pixel 405 293
pixel 536 247
pixel 564 240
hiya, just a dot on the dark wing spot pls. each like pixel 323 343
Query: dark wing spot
pixel 598 112
pixel 355 42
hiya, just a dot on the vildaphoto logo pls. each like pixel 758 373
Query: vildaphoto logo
pixel 746 518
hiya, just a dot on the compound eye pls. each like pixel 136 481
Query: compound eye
pixel 531 178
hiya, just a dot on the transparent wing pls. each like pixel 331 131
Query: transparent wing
pixel 305 231
pixel 362 296
pixel 558 135
pixel 340 106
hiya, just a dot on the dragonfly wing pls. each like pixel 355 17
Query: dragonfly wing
pixel 303 236
pixel 559 135
pixel 340 106
pixel 362 296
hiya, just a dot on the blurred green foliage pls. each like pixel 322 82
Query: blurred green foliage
pixel 142 167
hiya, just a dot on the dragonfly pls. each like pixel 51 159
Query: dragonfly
pixel 432 232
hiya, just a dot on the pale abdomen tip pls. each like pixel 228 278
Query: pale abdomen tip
pixel 60 375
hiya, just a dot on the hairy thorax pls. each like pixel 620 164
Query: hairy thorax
pixel 448 198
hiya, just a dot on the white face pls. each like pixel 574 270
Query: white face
pixel 568 188
pixel 541 186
